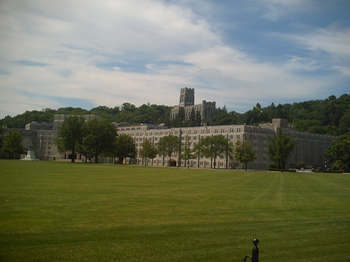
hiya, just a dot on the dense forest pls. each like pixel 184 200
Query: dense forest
pixel 329 116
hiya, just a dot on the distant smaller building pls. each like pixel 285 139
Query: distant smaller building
pixel 205 109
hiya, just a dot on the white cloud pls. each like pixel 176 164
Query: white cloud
pixel 332 40
pixel 343 69
pixel 111 52
pixel 14 103
pixel 275 10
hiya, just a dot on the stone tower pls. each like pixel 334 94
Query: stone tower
pixel 186 97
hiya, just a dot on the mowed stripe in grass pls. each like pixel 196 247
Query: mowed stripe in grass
pixel 93 212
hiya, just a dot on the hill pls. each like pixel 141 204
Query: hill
pixel 329 116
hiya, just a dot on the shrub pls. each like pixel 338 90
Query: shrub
pixel 338 165
pixel 300 164
pixel 272 166
pixel 284 170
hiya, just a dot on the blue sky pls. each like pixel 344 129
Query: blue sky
pixel 238 53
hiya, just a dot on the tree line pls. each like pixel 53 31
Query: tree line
pixel 330 116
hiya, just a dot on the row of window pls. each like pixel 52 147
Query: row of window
pixel 136 139
pixel 188 132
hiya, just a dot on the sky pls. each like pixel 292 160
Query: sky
pixel 238 53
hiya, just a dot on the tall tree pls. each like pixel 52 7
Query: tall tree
pixel 188 152
pixel 168 145
pixel 70 135
pixel 213 147
pixel 243 152
pixel 148 151
pixel 12 144
pixel 339 151
pixel 100 138
pixel 280 147
pixel 1 131
pixel 124 147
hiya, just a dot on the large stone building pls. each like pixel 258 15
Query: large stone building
pixel 309 148
pixel 205 109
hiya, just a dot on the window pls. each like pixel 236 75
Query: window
pixel 238 130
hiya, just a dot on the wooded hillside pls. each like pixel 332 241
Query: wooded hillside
pixel 329 116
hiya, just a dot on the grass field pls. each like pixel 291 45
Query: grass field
pixel 52 211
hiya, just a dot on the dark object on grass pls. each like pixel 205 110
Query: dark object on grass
pixel 255 252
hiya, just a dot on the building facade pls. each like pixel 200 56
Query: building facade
pixel 309 148
pixel 205 109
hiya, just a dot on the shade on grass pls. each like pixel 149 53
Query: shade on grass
pixel 52 211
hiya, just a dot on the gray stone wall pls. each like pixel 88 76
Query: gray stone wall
pixel 310 148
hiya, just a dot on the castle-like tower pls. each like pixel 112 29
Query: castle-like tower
pixel 186 97
pixel 205 109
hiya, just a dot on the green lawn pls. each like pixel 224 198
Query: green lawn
pixel 52 211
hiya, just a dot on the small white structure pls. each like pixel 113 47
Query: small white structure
pixel 30 155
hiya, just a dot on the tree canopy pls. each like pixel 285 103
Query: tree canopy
pixel 148 151
pixel 213 147
pixel 124 147
pixel 339 151
pixel 99 139
pixel 70 135
pixel 243 152
pixel 12 144
pixel 168 145
pixel 188 152
pixel 280 147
